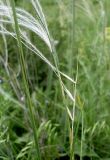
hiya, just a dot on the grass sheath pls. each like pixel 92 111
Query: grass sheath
pixel 24 75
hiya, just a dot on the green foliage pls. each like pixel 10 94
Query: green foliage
pixel 70 118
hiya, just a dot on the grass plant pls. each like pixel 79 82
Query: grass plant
pixel 25 83
pixel 54 80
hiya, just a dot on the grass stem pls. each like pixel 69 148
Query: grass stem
pixel 25 81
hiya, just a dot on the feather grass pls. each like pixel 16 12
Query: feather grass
pixel 28 21
pixel 20 20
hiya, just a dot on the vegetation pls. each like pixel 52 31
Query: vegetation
pixel 54 80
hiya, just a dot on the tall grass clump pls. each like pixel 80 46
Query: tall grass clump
pixel 14 22
pixel 54 79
